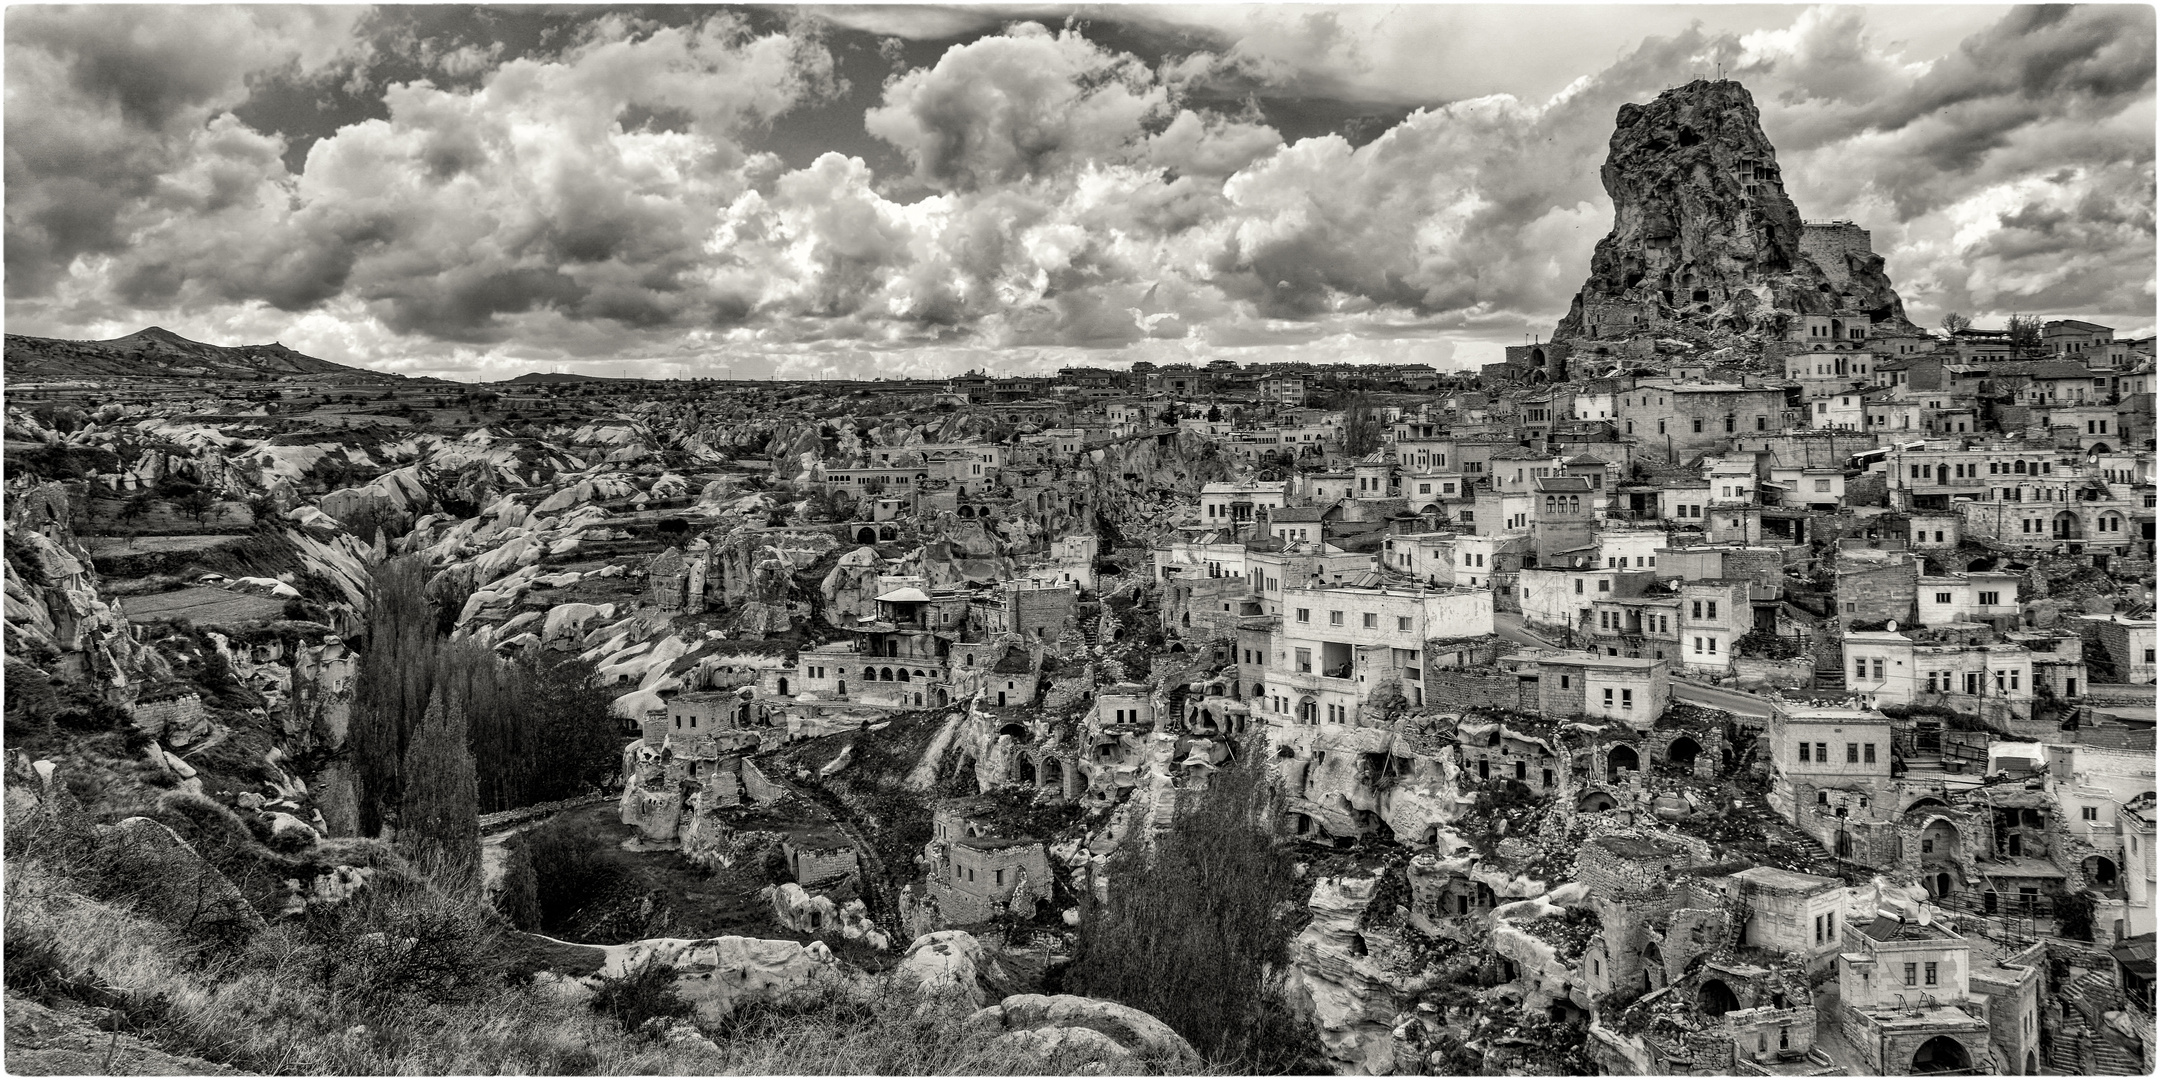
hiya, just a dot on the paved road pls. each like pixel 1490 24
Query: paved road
pixel 1509 625
pixel 1732 701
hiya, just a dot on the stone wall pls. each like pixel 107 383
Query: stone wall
pixel 1478 689
pixel 755 784
pixel 1877 591
pixel 821 866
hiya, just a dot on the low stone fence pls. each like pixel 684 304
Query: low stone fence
pixel 504 819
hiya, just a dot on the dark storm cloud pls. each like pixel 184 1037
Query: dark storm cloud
pixel 656 180
pixel 105 101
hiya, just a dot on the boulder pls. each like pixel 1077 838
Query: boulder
pixel 717 974
pixel 945 962
pixel 174 884
pixel 1066 1034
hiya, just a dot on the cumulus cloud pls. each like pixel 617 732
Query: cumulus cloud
pixel 610 197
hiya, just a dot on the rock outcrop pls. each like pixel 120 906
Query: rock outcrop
pixel 716 974
pixel 1068 1034
pixel 1705 238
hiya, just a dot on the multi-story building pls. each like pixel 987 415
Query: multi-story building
pixel 1994 681
pixel 1338 646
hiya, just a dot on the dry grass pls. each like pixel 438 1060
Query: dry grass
pixel 267 1008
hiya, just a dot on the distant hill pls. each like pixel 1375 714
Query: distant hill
pixel 159 353
pixel 531 377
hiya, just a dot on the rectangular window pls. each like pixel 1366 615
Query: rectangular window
pixel 1818 929
pixel 1334 618
pixel 1304 615
pixel 1627 699
pixel 2089 813
pixel 1852 753
pixel 1608 697
pixel 1931 973
pixel 1870 756
pixel 1822 753
pixel 1912 974
pixel 1402 623
pixel 1803 752
pixel 1990 599
pixel 1372 622
pixel 1878 669
pixel 1304 661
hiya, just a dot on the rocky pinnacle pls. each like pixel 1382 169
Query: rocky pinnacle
pixel 1704 236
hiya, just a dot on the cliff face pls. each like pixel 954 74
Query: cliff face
pixel 1705 238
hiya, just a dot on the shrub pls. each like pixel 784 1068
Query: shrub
pixel 519 898
pixel 647 993
pixel 576 865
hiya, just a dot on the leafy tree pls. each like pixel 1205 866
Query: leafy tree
pixel 1197 931
pixel 196 504
pixel 2024 335
pixel 2074 915
pixel 136 506
pixel 1361 426
pixel 1954 322
pixel 439 821
pixel 396 682
pixel 1214 414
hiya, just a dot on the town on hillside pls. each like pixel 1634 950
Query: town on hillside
pixel 1740 679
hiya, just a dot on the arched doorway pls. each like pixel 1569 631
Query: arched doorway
pixel 1053 774
pixel 1025 771
pixel 783 686
pixel 886 533
pixel 1618 758
pixel 1941 1054
pixel 2100 872
pixel 1715 998
pixel 1019 733
pixel 1682 752
pixel 1595 801
pixel 1941 884
pixel 2067 526
pixel 866 535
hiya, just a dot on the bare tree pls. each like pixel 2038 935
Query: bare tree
pixel 1954 322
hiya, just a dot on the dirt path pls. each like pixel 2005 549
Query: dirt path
pixel 879 896
pixel 42 1041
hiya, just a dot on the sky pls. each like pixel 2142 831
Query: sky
pixel 849 192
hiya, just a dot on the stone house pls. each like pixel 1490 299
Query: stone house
pixel 1904 984
pixel 980 868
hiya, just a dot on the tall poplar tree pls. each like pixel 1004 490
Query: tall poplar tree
pixel 439 819
pixel 1197 931
pixel 396 682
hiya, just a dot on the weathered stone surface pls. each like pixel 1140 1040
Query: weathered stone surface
pixel 176 885
pixel 1704 236
pixel 945 962
pixel 717 974
pixel 1069 1034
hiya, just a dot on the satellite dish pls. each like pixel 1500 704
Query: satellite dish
pixel 1891 626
